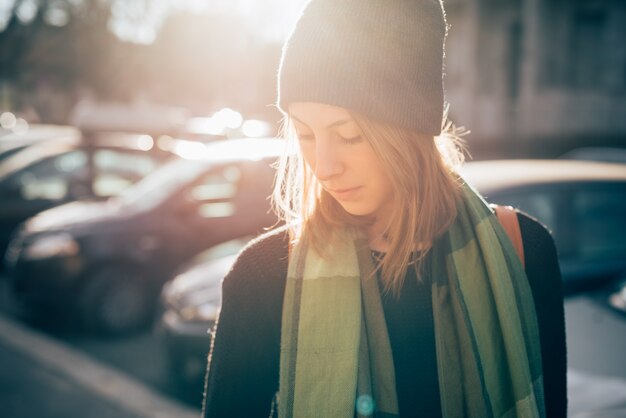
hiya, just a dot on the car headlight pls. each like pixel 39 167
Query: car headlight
pixel 618 298
pixel 57 245
pixel 204 312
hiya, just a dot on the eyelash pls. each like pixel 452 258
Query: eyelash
pixel 353 140
pixel 349 141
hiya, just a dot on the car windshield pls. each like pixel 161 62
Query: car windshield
pixel 152 190
pixel 8 151
pixel 30 155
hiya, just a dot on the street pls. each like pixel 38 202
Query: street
pixel 139 356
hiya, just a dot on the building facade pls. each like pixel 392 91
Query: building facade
pixel 537 76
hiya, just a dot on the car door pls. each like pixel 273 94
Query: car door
pixel 227 202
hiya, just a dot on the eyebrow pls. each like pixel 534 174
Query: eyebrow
pixel 332 125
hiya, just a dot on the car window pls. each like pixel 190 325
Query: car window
pixel 28 157
pixel 50 178
pixel 600 216
pixel 115 170
pixel 7 152
pixel 155 188
pixel 542 205
pixel 214 194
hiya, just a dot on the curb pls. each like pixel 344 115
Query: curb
pixel 98 378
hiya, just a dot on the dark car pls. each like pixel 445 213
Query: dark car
pixel 51 173
pixel 106 261
pixel 191 302
pixel 605 154
pixel 582 203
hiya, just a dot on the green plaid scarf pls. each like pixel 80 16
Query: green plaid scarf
pixel 336 358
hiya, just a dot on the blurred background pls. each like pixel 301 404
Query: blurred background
pixel 136 144
pixel 527 77
pixel 59 59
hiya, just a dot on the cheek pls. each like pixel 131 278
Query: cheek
pixel 383 182
pixel 308 155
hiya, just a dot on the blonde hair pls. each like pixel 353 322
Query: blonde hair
pixel 426 188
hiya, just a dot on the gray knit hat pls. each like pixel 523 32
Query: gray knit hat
pixel 380 58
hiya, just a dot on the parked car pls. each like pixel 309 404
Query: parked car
pixel 190 305
pixel 582 203
pixel 105 262
pixel 51 173
pixel 605 154
pixel 12 142
pixel 616 297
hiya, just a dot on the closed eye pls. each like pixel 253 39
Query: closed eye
pixel 353 140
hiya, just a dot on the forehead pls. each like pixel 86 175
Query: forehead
pixel 318 114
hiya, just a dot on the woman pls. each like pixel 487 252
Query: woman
pixel 393 290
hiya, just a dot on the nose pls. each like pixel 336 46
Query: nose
pixel 328 163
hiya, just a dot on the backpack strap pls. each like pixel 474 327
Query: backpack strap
pixel 508 218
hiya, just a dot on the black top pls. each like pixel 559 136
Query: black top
pixel 243 371
pixel 413 345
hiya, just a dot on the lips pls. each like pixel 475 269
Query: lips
pixel 345 194
pixel 342 190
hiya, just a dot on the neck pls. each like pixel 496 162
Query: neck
pixel 377 237
pixel 377 231
pixel 378 240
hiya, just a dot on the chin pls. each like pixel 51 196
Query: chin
pixel 357 211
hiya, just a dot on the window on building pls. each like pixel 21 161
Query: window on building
pixel 588 50
pixel 514 59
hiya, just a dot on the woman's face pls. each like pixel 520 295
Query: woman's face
pixel 342 160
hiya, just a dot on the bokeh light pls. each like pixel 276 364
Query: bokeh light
pixel 8 120
pixel 6 8
pixel 228 118
pixel 57 16
pixel 256 128
pixel 21 126
pixel 26 11
pixel 365 405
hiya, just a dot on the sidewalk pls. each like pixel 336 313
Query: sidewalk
pixel 40 377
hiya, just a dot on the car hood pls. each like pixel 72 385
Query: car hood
pixel 199 284
pixel 71 215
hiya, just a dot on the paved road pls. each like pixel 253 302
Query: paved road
pixel 32 389
pixel 596 337
pixel 140 355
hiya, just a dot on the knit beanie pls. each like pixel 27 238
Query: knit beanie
pixel 379 58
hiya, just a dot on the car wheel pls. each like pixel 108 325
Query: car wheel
pixel 116 301
pixel 187 372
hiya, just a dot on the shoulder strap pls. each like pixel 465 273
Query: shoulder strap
pixel 508 218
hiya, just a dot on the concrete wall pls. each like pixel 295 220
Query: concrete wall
pixel 538 71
